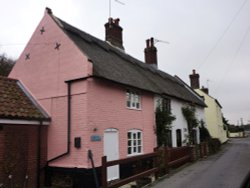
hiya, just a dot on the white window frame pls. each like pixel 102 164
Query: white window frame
pixel 135 142
pixel 133 100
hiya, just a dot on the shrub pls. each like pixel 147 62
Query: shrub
pixel 204 134
pixel 214 145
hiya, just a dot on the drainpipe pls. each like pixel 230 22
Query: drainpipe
pixel 68 82
pixel 90 156
pixel 68 127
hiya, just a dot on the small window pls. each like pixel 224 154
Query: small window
pixel 133 100
pixel 134 142
pixel 166 105
pixel 163 104
pixel 178 138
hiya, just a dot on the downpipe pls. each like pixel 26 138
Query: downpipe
pixel 90 156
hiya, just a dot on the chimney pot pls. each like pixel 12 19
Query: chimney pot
pixel 110 20
pixel 152 42
pixel 205 90
pixel 117 21
pixel 147 43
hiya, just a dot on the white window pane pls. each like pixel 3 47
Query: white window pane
pixel 129 150
pixel 134 149
pixel 134 143
pixel 129 135
pixel 133 104
pixel 129 142
pixel 139 149
pixel 139 135
pixel 134 135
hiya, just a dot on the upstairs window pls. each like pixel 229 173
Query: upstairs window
pixel 133 100
pixel 134 142
pixel 163 104
pixel 166 104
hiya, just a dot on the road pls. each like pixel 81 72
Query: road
pixel 226 169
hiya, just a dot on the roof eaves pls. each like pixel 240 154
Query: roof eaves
pixel 124 84
pixel 218 103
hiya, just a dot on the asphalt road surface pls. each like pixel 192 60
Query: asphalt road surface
pixel 226 169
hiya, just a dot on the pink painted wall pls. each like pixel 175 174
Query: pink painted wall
pixel 107 109
pixel 103 106
pixel 95 103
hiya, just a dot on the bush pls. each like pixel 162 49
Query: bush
pixel 204 134
pixel 214 145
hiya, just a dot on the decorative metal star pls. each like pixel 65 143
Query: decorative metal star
pixel 42 30
pixel 27 56
pixel 57 47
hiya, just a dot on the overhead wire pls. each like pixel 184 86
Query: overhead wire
pixel 234 57
pixel 223 34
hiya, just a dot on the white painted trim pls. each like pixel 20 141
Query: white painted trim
pixel 111 130
pixel 23 122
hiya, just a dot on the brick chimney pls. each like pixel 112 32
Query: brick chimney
pixel 194 80
pixel 114 33
pixel 205 90
pixel 150 53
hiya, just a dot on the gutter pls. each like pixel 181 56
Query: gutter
pixel 24 121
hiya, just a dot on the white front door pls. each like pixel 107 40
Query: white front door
pixel 111 150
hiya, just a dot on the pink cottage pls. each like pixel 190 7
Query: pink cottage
pixel 99 98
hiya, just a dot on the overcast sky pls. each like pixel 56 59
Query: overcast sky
pixel 211 36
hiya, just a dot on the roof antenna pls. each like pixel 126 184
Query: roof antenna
pixel 118 1
pixel 162 41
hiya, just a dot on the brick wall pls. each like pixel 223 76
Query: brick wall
pixel 19 151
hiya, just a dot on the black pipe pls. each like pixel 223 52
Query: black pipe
pixel 69 126
pixel 90 156
pixel 68 82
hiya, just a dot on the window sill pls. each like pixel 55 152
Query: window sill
pixel 134 154
pixel 137 109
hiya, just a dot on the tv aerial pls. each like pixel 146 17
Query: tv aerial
pixel 161 41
